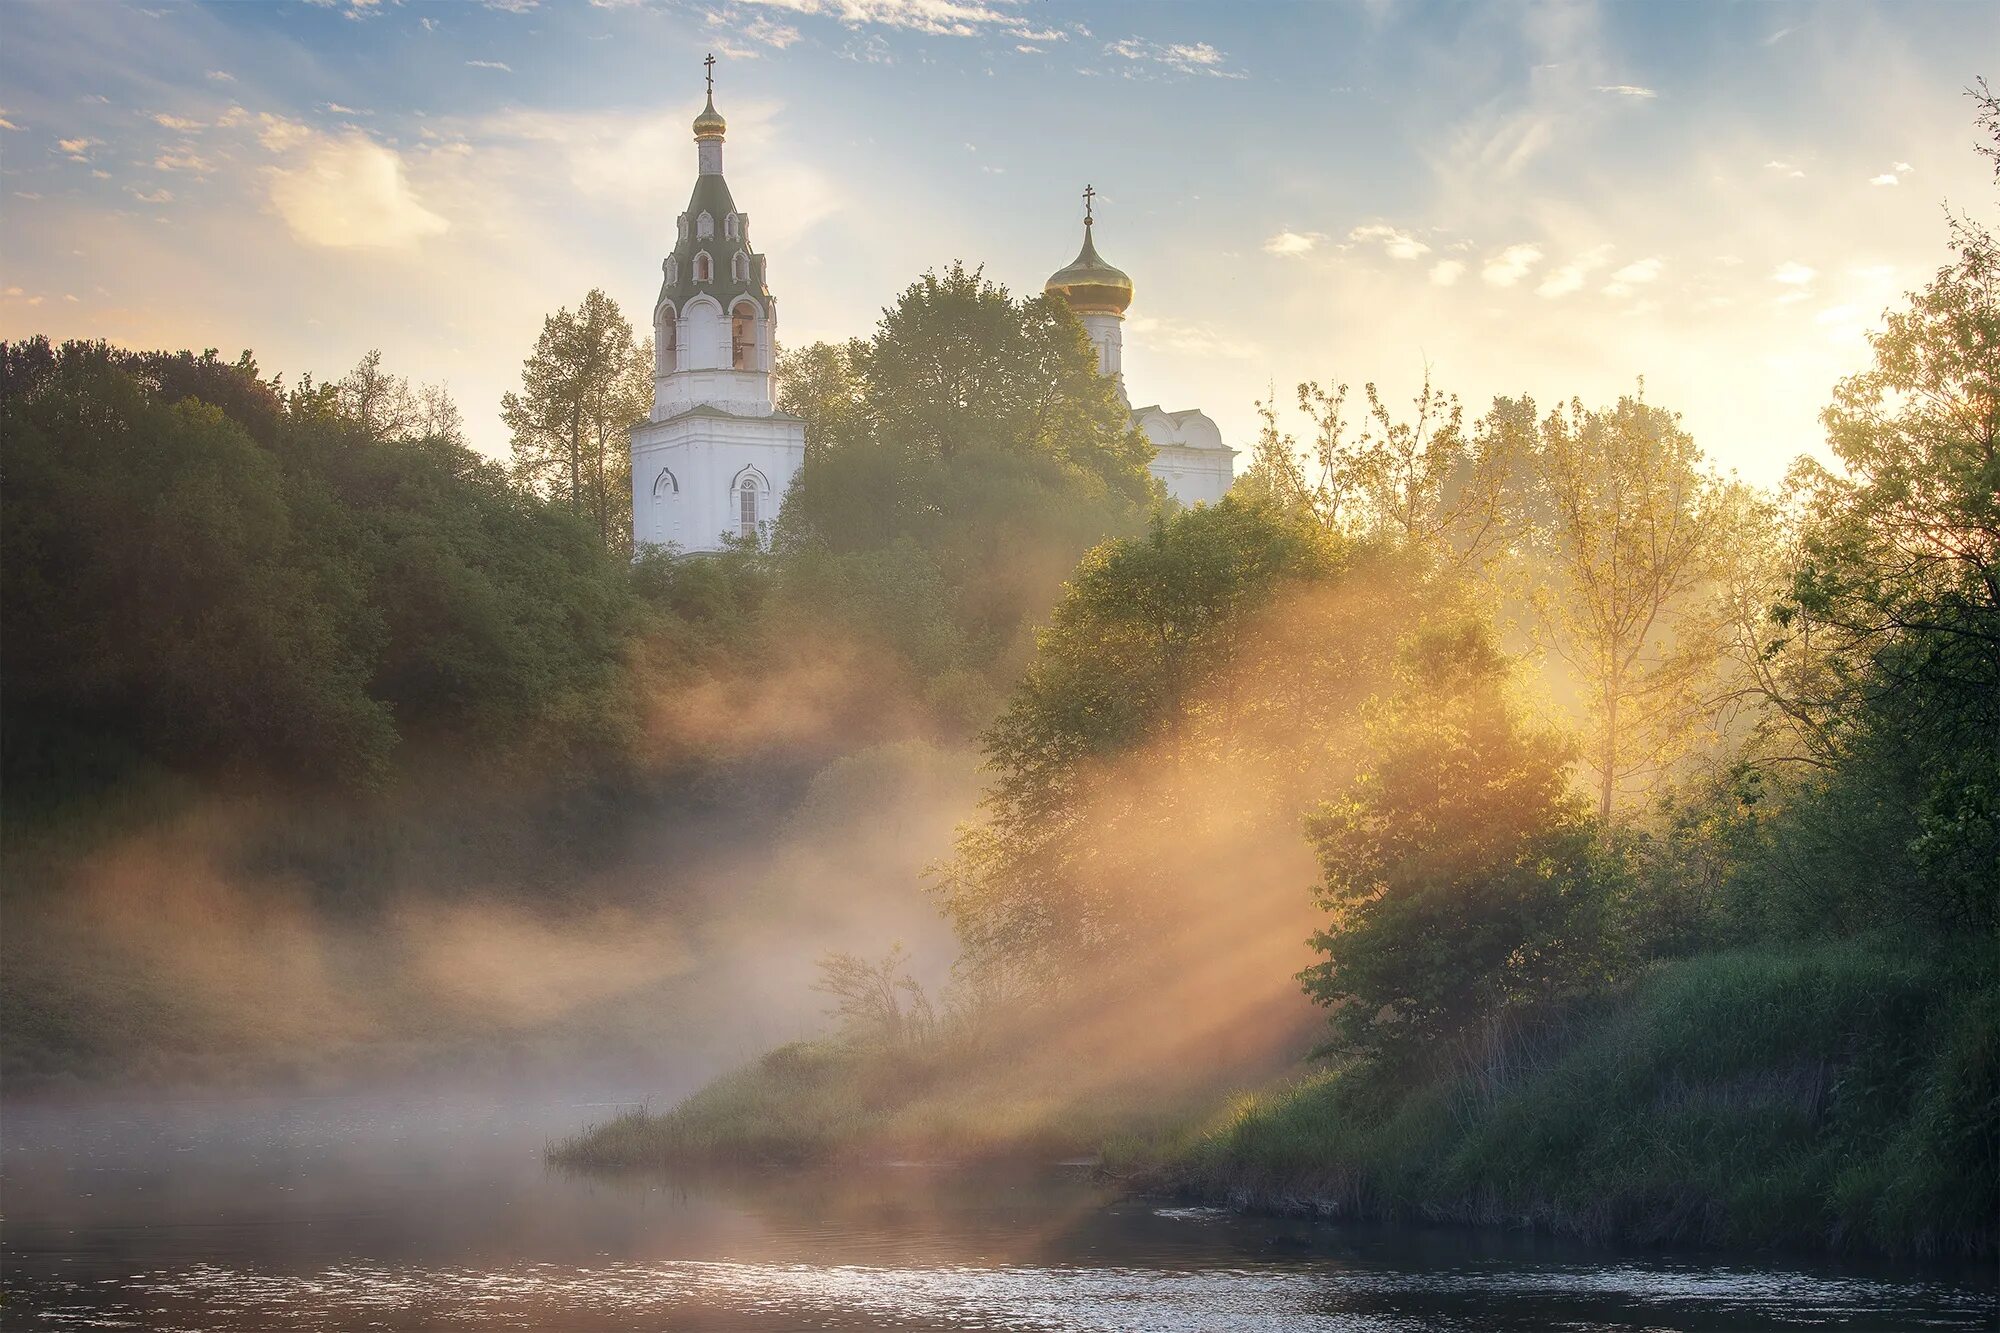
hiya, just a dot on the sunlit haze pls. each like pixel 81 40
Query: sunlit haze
pixel 1551 199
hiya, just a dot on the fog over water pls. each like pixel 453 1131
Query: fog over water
pixel 417 1209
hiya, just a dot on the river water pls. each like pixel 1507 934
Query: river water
pixel 432 1212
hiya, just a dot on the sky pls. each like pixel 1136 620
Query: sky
pixel 1553 199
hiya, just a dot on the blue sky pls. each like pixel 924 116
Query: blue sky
pixel 1544 198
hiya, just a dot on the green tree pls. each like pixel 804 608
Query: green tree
pixel 1456 870
pixel 1218 653
pixel 1627 538
pixel 586 384
pixel 1898 584
pixel 969 425
pixel 167 597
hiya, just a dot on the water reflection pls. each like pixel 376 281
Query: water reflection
pixel 419 1213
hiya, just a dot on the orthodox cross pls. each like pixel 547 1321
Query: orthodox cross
pixel 1089 193
pixel 710 65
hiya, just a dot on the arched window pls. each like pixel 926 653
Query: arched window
pixel 666 484
pixel 681 226
pixel 666 342
pixel 730 228
pixel 741 267
pixel 704 226
pixel 746 507
pixel 743 337
pixel 672 269
pixel 703 268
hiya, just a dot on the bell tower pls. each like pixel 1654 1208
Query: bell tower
pixel 711 464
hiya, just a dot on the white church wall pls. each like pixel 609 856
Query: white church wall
pixel 706 455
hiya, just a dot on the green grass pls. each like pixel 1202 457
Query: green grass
pixel 815 1102
pixel 1846 1096
pixel 1843 1096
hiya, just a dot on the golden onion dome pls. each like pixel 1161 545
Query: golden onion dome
pixel 1091 286
pixel 710 124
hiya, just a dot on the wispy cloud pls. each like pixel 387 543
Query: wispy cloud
pixel 1626 90
pixel 500 65
pixel 220 76
pixel 1793 274
pixel 1189 338
pixel 1511 265
pixel 1396 243
pixel 1786 169
pixel 1633 276
pixel 78 149
pixel 343 192
pixel 1293 242
pixel 1181 57
pixel 1570 277
pixel 1447 272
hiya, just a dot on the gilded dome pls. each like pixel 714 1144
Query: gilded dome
pixel 710 124
pixel 1090 285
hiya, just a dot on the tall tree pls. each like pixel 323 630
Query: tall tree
pixel 586 384
pixel 1627 534
pixel 387 407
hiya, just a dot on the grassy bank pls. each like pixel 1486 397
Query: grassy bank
pixel 1846 1097
pixel 821 1102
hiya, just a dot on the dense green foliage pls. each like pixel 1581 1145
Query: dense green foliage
pixel 1841 1095
pixel 202 573
pixel 961 460
pixel 1457 867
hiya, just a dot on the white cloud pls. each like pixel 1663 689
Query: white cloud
pixel 183 159
pixel 154 197
pixel 1902 168
pixel 220 76
pixel 6 124
pixel 1626 90
pixel 1785 169
pixel 1887 178
pixel 1511 265
pixel 1398 244
pixel 348 192
pixel 1633 276
pixel 1292 242
pixel 1570 277
pixel 181 123
pixel 500 65
pixel 1447 271
pixel 77 150
pixel 936 18
pixel 1182 57
pixel 1793 274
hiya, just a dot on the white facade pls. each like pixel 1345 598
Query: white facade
pixel 712 462
pixel 1192 462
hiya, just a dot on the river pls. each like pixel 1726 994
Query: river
pixel 417 1211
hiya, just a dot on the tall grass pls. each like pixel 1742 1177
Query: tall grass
pixel 1847 1095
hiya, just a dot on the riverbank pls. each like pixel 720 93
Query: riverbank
pixel 1842 1098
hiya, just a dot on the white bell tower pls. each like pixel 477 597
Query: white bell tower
pixel 711 465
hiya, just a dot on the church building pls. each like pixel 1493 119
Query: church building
pixel 713 460
pixel 711 464
pixel 1191 460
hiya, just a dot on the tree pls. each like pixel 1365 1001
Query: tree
pixel 388 409
pixel 969 424
pixel 1188 690
pixel 1456 869
pixel 1627 535
pixel 586 384
pixel 1899 577
pixel 1420 481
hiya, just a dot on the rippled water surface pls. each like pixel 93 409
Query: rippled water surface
pixel 425 1213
